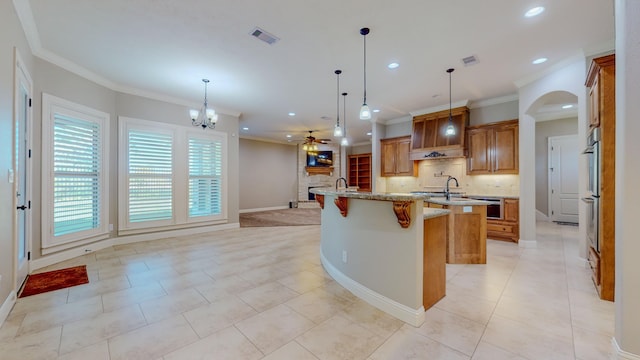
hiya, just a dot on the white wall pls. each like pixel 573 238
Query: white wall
pixel 268 174
pixel 544 130
pixel 569 78
pixel 627 294
pixel 479 113
pixel 11 36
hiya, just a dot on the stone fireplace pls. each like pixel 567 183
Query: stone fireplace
pixel 308 180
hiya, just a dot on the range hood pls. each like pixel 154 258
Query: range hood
pixel 437 154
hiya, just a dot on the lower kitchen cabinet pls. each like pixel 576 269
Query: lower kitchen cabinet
pixel 508 227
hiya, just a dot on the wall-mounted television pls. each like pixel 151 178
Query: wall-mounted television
pixel 320 158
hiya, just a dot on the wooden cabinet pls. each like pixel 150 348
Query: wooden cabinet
pixel 507 228
pixel 434 276
pixel 466 233
pixel 493 148
pixel 360 171
pixel 395 157
pixel 601 84
pixel 429 136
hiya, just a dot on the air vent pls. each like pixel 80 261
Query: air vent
pixel 264 36
pixel 470 60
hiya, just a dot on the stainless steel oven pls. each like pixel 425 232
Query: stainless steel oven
pixel 593 200
pixel 494 208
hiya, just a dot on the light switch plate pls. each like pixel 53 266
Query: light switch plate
pixel 467 209
pixel 10 176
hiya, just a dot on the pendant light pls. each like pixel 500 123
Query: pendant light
pixel 345 141
pixel 337 131
pixel 206 117
pixel 450 131
pixel 365 113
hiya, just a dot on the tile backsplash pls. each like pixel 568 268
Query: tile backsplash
pixel 433 174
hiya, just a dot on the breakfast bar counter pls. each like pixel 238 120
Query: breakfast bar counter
pixel 384 249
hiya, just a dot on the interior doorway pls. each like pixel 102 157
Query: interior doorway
pixel 23 88
pixel 563 178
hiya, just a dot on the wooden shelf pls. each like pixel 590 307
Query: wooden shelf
pixel 359 170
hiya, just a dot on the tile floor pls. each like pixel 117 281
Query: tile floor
pixel 261 293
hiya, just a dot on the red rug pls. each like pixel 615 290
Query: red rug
pixel 54 280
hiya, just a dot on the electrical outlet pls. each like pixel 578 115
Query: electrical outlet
pixel 344 256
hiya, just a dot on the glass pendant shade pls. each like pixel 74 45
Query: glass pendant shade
pixel 194 114
pixel 450 130
pixel 365 113
pixel 337 131
pixel 344 141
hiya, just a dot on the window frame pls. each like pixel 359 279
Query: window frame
pixel 180 178
pixel 51 107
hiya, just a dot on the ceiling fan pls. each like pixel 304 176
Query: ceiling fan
pixel 311 143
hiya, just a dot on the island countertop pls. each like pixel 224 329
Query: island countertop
pixel 430 213
pixel 369 195
pixel 456 201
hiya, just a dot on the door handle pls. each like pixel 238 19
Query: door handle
pixel 21 207
pixel 588 200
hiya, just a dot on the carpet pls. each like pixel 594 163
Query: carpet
pixel 54 280
pixel 285 217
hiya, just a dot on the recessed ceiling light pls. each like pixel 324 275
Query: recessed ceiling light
pixel 245 128
pixel 534 11
pixel 369 133
pixel 539 61
pixel 376 110
pixel 393 65
pixel 292 114
pixel 568 106
pixel 289 135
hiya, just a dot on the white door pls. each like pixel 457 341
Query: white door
pixel 23 86
pixel 563 178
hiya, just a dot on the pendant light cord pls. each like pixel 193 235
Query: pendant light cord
pixel 338 72
pixel 365 67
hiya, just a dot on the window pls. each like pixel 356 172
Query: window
pixel 205 177
pixel 172 176
pixel 150 176
pixel 75 207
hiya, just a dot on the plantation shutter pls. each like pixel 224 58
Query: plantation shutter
pixel 76 175
pixel 150 176
pixel 205 177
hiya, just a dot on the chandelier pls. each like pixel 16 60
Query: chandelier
pixel 205 117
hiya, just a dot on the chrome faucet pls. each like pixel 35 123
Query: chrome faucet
pixel 446 192
pixel 345 183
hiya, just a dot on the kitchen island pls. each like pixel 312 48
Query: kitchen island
pixel 386 248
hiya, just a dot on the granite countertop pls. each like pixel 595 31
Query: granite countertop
pixel 370 195
pixel 432 212
pixel 456 201
pixel 493 196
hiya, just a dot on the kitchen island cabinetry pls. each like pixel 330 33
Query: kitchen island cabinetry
pixel 395 157
pixel 493 148
pixel 429 138
pixel 466 229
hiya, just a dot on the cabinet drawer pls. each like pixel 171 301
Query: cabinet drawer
pixel 499 228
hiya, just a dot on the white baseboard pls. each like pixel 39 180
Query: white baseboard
pixel 6 307
pixel 121 240
pixel 263 209
pixel 411 316
pixel 619 354
pixel 528 244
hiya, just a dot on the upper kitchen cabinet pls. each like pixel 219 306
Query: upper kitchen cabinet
pixel 395 157
pixel 600 81
pixel 429 138
pixel 493 148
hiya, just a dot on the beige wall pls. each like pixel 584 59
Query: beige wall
pixel 268 174
pixel 493 113
pixel 544 130
pixel 11 36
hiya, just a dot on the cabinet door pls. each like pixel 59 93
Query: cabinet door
pixel 388 159
pixel 511 210
pixel 404 166
pixel 479 160
pixel 417 137
pixel 505 149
